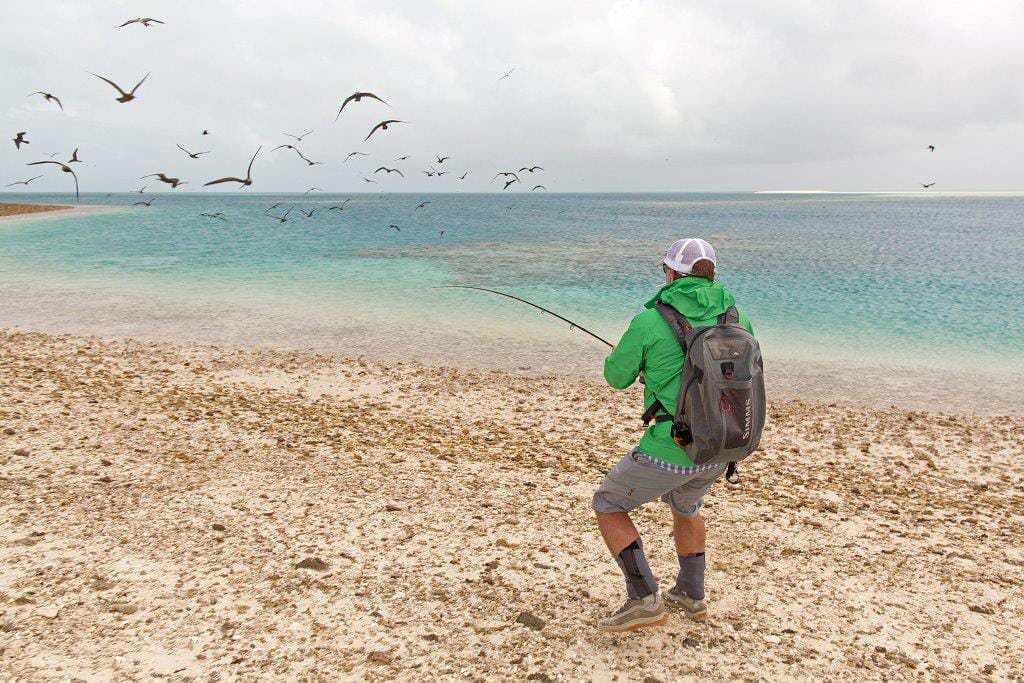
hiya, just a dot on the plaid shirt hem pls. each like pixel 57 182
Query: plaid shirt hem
pixel 678 469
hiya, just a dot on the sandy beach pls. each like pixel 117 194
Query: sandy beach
pixel 7 210
pixel 200 512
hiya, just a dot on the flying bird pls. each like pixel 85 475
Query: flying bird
pixel 340 208
pixel 429 173
pixel 507 73
pixel 506 174
pixel 926 186
pixel 125 96
pixel 369 181
pixel 402 158
pixel 74 157
pixel 531 169
pixel 23 182
pixel 63 167
pixel 246 182
pixel 173 182
pixel 442 233
pixel 145 21
pixel 423 205
pixel 206 132
pixel 383 125
pixel 352 154
pixel 539 187
pixel 219 215
pixel 441 173
pixel 149 203
pixel 441 160
pixel 318 189
pixel 19 139
pixel 463 176
pixel 931 148
pixel 510 207
pixel 194 155
pixel 307 214
pixel 281 219
pixel 357 97
pixel 507 183
pixel 390 171
pixel 273 206
pixel 48 97
pixel 143 189
pixel 395 227
pixel 298 138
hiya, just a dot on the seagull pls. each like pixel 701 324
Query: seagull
pixel 357 97
pixel 340 208
pixel 926 186
pixel 173 182
pixel 507 74
pixel 272 207
pixel 246 182
pixel 931 148
pixel 308 161
pixel 352 154
pixel 215 215
pixel 390 171
pixel 298 138
pixel 23 182
pixel 194 155
pixel 149 203
pixel 383 125
pixel 395 227
pixel 441 160
pixel 63 167
pixel 74 157
pixel 141 190
pixel 281 219
pixel 539 187
pixel 514 180
pixel 145 21
pixel 429 173
pixel 19 139
pixel 369 181
pixel 531 169
pixel 48 97
pixel 506 174
pixel 441 173
pixel 307 214
pixel 125 96
pixel 463 176
pixel 318 189
pixel 422 206
pixel 402 158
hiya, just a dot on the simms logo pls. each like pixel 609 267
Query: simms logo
pixel 746 420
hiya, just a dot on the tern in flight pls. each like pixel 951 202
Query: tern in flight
pixel 206 132
pixel 281 219
pixel 125 96
pixel 539 187
pixel 74 157
pixel 352 154
pixel 245 182
pixel 194 155
pixel 307 214
pixel 367 180
pixel 48 97
pixel 507 73
pixel 23 182
pixel 273 206
pixel 19 139
pixel 509 182
pixel 931 148
pixel 383 125
pixel 395 227
pixel 389 170
pixel 402 158
pixel 531 169
pixel 927 185
pixel 63 167
pixel 423 205
pixel 145 21
pixel 173 182
pixel 442 233
pixel 214 215
pixel 357 97
pixel 463 176
pixel 441 160
pixel 149 203
pixel 298 138
pixel 506 174
pixel 340 208
pixel 312 189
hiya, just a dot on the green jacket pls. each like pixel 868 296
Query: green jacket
pixel 649 346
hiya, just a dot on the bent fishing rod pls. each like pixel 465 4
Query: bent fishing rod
pixel 540 308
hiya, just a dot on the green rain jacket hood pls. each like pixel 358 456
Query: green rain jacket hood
pixel 649 347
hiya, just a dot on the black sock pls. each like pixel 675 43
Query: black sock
pixel 639 580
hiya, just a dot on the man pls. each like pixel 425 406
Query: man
pixel 657 467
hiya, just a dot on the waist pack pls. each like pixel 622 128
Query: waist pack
pixel 720 409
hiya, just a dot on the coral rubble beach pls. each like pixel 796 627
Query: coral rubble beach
pixel 201 512
pixel 22 209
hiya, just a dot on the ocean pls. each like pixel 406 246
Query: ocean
pixel 908 299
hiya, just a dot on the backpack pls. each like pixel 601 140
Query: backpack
pixel 720 410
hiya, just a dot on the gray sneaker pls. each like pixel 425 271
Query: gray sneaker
pixel 637 613
pixel 694 609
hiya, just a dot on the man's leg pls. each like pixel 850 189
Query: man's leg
pixel 624 542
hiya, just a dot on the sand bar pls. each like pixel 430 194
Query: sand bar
pixel 7 210
pixel 159 499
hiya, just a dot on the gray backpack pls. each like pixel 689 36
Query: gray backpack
pixel 720 410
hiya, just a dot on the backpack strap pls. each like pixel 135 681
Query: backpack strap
pixel 730 317
pixel 677 321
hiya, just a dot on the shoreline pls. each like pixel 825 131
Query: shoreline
pixel 27 212
pixel 162 496
pixel 8 210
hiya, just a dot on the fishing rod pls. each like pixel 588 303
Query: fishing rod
pixel 541 308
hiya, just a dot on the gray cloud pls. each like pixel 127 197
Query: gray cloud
pixel 605 95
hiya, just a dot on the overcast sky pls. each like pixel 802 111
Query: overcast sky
pixel 606 96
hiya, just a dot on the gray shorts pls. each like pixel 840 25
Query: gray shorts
pixel 636 480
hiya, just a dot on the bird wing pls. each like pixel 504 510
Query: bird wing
pixel 225 180
pixel 140 83
pixel 36 163
pixel 116 86
pixel 537 168
pixel 347 100
pixel 184 150
pixel 371 95
pixel 397 171
pixel 539 187
pixel 76 183
pixel 130 21
pixel 381 169
pixel 59 104
pixel 374 130
pixel 248 173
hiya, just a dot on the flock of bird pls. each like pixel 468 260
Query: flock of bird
pixel 436 169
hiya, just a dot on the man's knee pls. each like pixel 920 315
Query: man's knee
pixel 608 503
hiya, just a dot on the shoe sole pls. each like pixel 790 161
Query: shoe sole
pixel 645 622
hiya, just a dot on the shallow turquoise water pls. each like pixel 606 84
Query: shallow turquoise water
pixel 916 281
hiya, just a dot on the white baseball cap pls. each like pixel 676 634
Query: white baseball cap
pixel 684 253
